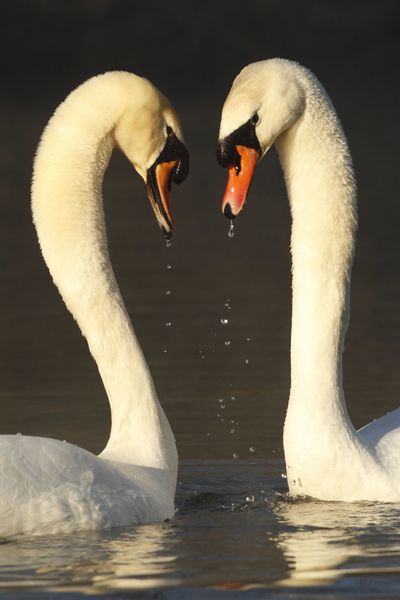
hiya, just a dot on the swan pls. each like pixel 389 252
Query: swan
pixel 51 486
pixel 278 101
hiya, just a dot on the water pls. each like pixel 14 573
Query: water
pixel 236 532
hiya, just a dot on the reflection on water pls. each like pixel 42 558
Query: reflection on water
pixel 235 530
pixel 326 541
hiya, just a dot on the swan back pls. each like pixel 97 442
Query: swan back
pixel 49 486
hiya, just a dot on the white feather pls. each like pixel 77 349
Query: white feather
pixel 47 486
pixel 325 457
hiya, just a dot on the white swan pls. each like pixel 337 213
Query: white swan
pixel 49 486
pixel 278 101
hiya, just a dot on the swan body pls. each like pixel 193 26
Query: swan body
pixel 278 101
pixel 49 486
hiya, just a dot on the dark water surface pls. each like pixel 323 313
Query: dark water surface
pixel 224 386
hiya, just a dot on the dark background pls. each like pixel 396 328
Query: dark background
pixel 192 51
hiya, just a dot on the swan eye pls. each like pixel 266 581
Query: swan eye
pixel 254 119
pixel 168 130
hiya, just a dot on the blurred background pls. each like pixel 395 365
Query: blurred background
pixel 224 386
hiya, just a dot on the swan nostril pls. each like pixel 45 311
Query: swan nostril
pixel 237 161
pixel 228 211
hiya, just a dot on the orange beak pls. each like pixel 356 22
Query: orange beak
pixel 163 176
pixel 159 192
pixel 239 180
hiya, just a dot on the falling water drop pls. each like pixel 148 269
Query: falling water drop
pixel 169 266
pixel 252 449
pixel 168 243
pixel 167 292
pixel 231 231
pixel 168 324
pixel 224 321
pixel 235 455
pixel 227 342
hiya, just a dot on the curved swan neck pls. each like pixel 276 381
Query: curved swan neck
pixel 68 213
pixel 320 182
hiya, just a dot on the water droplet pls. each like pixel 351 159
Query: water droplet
pixel 293 482
pixel 168 324
pixel 248 339
pixel 168 243
pixel 233 397
pixel 165 351
pixel 227 342
pixel 222 406
pixel 208 433
pixel 167 292
pixel 221 400
pixel 283 475
pixel 252 449
pixel 246 361
pixel 19 434
pixel 235 455
pixel 224 321
pixel 169 266
pixel 231 232
pixel 232 431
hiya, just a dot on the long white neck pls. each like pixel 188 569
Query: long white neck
pixel 68 213
pixel 320 182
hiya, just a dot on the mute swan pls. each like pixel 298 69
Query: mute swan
pixel 281 102
pixel 49 486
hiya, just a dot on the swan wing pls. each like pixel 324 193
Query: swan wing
pixel 49 486
pixel 383 435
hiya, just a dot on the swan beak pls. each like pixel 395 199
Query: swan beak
pixel 240 175
pixel 158 186
pixel 172 165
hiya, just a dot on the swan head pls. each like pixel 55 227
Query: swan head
pixel 265 100
pixel 149 133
